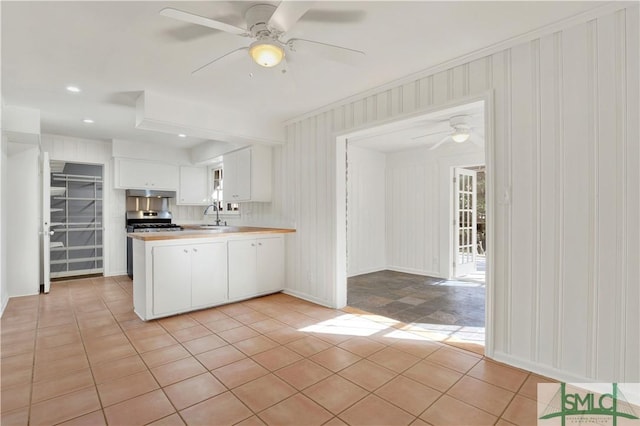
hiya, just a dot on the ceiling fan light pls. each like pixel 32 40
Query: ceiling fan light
pixel 460 135
pixel 266 53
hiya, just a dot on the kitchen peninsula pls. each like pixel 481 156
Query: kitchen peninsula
pixel 204 266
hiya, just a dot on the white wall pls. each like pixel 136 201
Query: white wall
pixel 366 207
pixel 22 197
pixel 419 207
pixel 565 147
pixel 4 288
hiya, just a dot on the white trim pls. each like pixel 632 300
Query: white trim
pixel 588 15
pixel 340 242
pixel 367 271
pixel 4 306
pixel 540 369
pixel 309 298
pixel 434 274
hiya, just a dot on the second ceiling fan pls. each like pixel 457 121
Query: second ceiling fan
pixel 267 26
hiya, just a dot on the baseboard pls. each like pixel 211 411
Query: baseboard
pixel 434 274
pixel 540 369
pixel 308 298
pixel 366 271
pixel 5 302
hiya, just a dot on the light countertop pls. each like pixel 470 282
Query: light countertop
pixel 195 231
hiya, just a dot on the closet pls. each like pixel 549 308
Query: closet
pixel 76 219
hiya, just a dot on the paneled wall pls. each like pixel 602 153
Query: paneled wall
pixel 565 159
pixel 419 207
pixel 366 209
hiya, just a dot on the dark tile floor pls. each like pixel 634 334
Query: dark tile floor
pixel 418 299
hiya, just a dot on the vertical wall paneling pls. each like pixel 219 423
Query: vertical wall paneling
pixel 548 206
pixel 621 183
pixel 592 195
pixel 508 195
pixel 576 176
pixel 440 88
pixel 522 188
pixel 564 148
pixel 536 241
pixel 478 76
pixel 559 179
pixel 632 159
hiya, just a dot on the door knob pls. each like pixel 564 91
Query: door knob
pixel 51 232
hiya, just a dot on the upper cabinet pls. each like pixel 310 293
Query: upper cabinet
pixel 139 174
pixel 194 187
pixel 247 175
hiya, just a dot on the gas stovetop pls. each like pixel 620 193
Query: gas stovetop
pixel 153 227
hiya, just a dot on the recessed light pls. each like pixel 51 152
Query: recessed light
pixel 73 89
pixel 182 135
pixel 88 121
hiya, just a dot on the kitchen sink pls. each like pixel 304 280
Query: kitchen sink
pixel 219 227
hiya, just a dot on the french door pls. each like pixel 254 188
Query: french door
pixel 465 221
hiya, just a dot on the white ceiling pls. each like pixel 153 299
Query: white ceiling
pixel 116 50
pixel 427 130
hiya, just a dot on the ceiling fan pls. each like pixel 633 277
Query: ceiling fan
pixel 461 131
pixel 266 25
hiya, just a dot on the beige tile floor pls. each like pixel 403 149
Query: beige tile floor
pixel 80 356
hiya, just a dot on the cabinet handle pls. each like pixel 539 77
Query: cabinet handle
pixel 253 245
pixel 195 249
pixel 186 251
pixel 259 244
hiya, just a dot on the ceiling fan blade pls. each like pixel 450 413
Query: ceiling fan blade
pixel 335 16
pixel 287 14
pixel 477 139
pixel 218 58
pixel 180 15
pixel 443 140
pixel 430 134
pixel 330 51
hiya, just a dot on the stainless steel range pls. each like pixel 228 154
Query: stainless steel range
pixel 146 221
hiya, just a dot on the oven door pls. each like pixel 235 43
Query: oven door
pixel 130 253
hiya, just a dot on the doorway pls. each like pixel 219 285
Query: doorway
pixel 469 221
pixel 425 246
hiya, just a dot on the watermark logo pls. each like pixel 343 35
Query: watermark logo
pixel 615 404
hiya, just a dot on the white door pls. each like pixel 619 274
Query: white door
pixel 270 264
pixel 171 279
pixel 465 222
pixel 208 274
pixel 46 221
pixel 242 269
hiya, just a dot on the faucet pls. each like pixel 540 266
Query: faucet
pixel 216 208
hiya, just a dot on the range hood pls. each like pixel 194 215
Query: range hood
pixel 150 193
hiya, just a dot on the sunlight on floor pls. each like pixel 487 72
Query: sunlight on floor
pixel 361 323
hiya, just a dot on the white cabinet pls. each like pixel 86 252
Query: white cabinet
pixel 256 266
pixel 247 174
pixel 194 187
pixel 189 276
pixel 139 174
pixel 208 274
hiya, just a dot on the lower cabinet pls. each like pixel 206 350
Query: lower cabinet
pixel 256 266
pixel 189 276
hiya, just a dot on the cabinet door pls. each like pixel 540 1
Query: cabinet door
pixel 163 176
pixel 208 274
pixel 237 176
pixel 242 269
pixel 270 264
pixel 193 186
pixel 243 175
pixel 136 174
pixel 171 279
